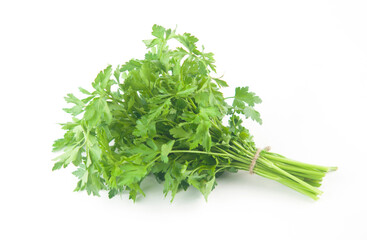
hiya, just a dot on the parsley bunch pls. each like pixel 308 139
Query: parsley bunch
pixel 163 115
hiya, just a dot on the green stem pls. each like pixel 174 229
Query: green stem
pixel 300 170
pixel 200 152
pixel 272 165
pixel 292 162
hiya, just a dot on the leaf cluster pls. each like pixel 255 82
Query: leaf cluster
pixel 161 116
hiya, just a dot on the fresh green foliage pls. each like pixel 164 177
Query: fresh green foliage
pixel 163 116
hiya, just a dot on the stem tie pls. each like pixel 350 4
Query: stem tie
pixel 256 156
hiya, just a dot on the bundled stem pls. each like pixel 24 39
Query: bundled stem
pixel 302 177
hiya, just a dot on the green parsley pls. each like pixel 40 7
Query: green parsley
pixel 163 116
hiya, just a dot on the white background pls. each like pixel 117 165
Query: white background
pixel 307 60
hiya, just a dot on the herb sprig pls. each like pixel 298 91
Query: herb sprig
pixel 163 116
